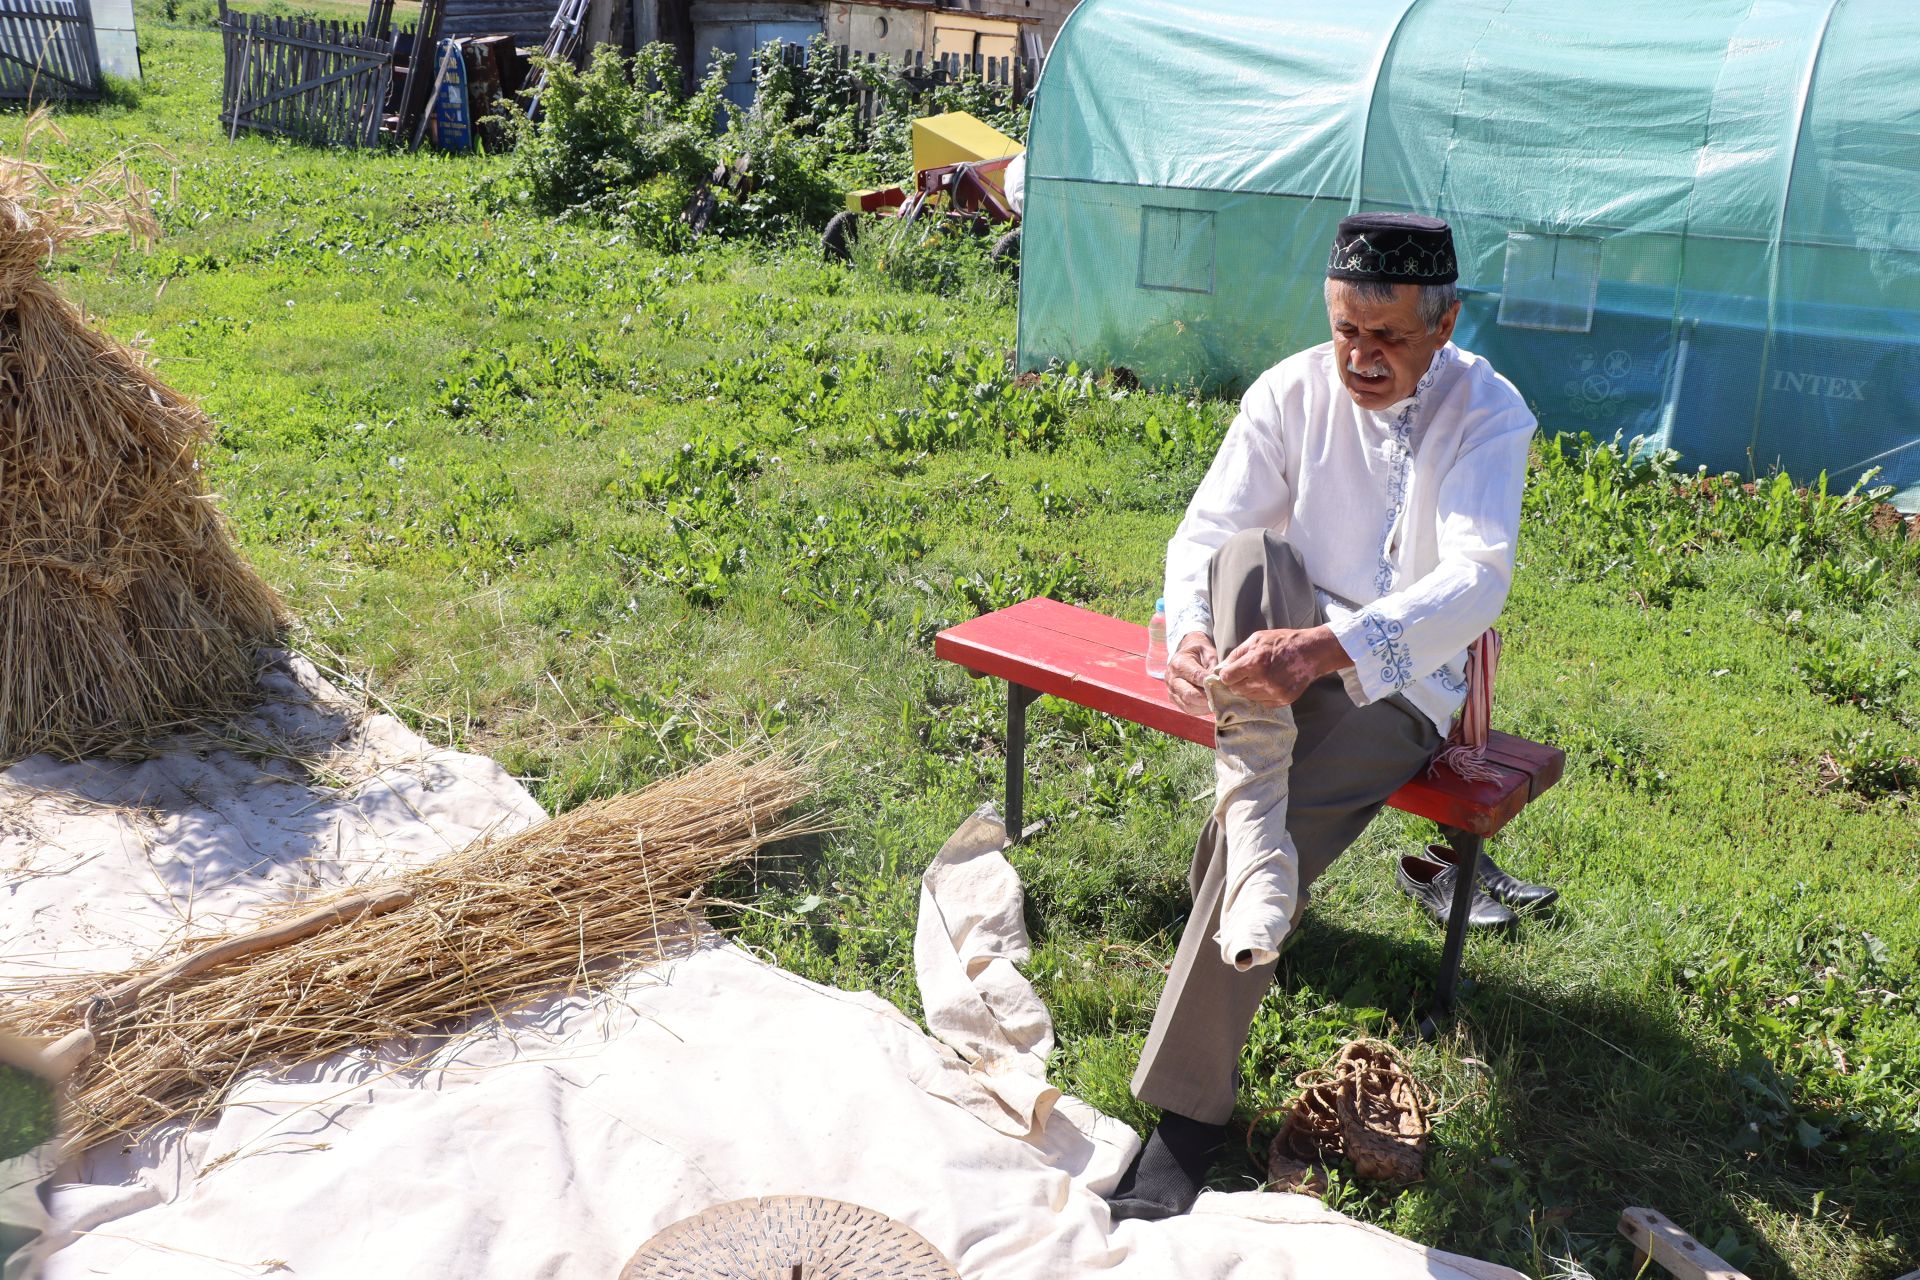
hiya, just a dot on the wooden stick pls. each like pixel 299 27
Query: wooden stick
pixel 1656 1237
pixel 240 87
pixel 61 1058
pixel 359 906
pixel 433 96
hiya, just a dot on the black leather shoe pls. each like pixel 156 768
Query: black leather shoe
pixel 1430 884
pixel 1519 894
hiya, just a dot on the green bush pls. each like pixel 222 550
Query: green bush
pixel 620 141
pixel 791 164
pixel 878 149
pixel 624 143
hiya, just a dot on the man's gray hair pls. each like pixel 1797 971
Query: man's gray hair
pixel 1431 306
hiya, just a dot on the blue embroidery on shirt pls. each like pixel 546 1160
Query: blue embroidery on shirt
pixel 1400 459
pixel 1450 682
pixel 1384 642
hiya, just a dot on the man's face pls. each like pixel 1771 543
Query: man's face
pixel 1383 348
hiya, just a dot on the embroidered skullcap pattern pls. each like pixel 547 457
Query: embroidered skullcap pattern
pixel 1393 248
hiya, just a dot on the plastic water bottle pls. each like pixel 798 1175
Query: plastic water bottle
pixel 1157 641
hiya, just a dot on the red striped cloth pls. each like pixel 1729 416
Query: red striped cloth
pixel 1465 751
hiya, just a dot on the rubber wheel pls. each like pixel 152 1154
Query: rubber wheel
pixel 836 242
pixel 1006 250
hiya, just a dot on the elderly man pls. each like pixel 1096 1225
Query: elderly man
pixel 1354 535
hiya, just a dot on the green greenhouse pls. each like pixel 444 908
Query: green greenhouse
pixel 1695 221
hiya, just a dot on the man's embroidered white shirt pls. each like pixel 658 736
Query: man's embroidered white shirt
pixel 1405 518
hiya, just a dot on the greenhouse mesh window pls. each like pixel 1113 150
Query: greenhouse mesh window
pixel 1176 249
pixel 1550 283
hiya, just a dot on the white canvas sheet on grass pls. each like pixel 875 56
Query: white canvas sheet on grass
pixel 106 862
pixel 556 1142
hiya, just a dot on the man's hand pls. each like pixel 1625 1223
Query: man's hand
pixel 1187 670
pixel 1275 667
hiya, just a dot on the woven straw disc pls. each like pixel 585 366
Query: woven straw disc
pixel 788 1238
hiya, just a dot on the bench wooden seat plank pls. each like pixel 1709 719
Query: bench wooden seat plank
pixel 1080 669
pixel 1099 662
pixel 1043 646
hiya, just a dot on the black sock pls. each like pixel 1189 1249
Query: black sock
pixel 1165 1178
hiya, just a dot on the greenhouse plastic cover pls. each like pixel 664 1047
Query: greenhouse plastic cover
pixel 1693 222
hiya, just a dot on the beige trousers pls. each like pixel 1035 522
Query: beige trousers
pixel 1346 761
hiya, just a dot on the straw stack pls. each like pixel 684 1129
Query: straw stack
pixel 124 608
pixel 481 932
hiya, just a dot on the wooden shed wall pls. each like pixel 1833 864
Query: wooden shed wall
pixel 526 21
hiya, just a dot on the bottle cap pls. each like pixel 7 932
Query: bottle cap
pixel 1160 605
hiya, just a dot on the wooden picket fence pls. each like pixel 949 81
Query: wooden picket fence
pixel 47 50
pixel 319 82
pixel 1011 77
pixel 332 83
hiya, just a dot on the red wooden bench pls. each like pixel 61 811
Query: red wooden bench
pixel 1043 646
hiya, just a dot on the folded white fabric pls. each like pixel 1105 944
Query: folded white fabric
pixel 1252 754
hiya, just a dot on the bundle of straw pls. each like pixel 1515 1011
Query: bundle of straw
pixel 480 932
pixel 124 608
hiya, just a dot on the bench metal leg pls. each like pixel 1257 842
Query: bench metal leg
pixel 1018 697
pixel 1467 848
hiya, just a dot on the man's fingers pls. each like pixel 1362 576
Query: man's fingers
pixel 1188 670
pixel 1243 680
pixel 1238 664
pixel 1187 692
pixel 1257 686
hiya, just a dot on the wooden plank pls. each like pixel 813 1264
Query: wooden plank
pixel 1656 1237
pixel 87 48
pixel 381 84
pixel 296 77
pixel 1439 794
pixel 1097 661
pixel 48 46
pixel 1543 764
pixel 304 41
pixel 41 72
pixel 1071 620
pixel 240 89
pixel 444 61
pixel 1093 675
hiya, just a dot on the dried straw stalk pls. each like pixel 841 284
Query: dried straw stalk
pixel 480 932
pixel 124 608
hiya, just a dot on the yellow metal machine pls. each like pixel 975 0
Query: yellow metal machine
pixel 956 137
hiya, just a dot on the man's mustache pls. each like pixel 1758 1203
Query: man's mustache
pixel 1379 370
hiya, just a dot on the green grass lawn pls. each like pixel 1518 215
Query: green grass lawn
pixel 597 511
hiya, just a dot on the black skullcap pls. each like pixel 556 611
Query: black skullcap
pixel 1393 248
